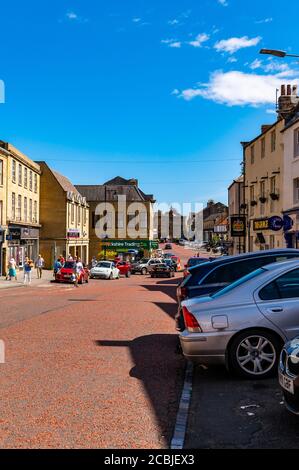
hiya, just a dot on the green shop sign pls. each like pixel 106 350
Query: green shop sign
pixel 125 245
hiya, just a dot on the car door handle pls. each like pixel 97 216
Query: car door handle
pixel 275 310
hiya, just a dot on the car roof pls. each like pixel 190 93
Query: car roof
pixel 255 254
pixel 282 265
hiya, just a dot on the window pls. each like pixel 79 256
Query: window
pixel 296 143
pixel 285 287
pixel 13 206
pixel 273 141
pixel 79 215
pixel 273 184
pixel 35 211
pixel 252 154
pixel 230 272
pixel 1 212
pixel 263 147
pixel 35 182
pixel 19 208
pixel 72 213
pixel 25 177
pixel 30 210
pixel 296 190
pixel 20 175
pixel 13 171
pixel 25 209
pixel 30 180
pixel 1 172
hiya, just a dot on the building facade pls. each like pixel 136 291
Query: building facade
pixel 64 215
pixel 213 217
pixel 237 217
pixel 19 206
pixel 121 218
pixel 263 164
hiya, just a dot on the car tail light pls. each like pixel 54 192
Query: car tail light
pixel 182 292
pixel 191 322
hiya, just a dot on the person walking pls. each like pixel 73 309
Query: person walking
pixel 78 268
pixel 57 266
pixel 28 265
pixel 12 270
pixel 40 263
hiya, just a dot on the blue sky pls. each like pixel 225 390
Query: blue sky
pixel 163 91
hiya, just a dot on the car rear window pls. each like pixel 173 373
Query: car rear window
pixel 238 283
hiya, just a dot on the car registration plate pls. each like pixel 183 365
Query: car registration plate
pixel 286 383
pixel 67 276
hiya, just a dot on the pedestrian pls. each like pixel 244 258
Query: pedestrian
pixel 28 265
pixel 78 268
pixel 93 262
pixel 70 258
pixel 12 270
pixel 61 259
pixel 40 263
pixel 57 266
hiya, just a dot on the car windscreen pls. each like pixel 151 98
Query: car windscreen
pixel 69 265
pixel 144 260
pixel 196 261
pixel 239 282
pixel 102 264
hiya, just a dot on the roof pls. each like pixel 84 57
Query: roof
pixel 64 182
pixel 117 186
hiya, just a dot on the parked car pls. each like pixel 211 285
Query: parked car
pixel 182 242
pixel 168 246
pixel 289 375
pixel 165 269
pixel 194 261
pixel 209 277
pixel 65 273
pixel 104 270
pixel 144 266
pixel 125 268
pixel 245 324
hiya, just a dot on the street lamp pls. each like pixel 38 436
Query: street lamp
pixel 277 53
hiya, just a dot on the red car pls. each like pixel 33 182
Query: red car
pixel 125 268
pixel 65 274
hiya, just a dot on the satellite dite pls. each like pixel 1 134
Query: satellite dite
pixel 2 92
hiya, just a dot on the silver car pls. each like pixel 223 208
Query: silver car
pixel 245 325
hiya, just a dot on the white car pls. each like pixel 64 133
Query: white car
pixel 104 270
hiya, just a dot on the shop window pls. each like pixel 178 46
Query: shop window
pixel 13 171
pixel 273 141
pixel 25 178
pixel 20 178
pixel 13 206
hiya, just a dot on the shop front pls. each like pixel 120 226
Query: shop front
pixel 268 233
pixel 76 246
pixel 22 242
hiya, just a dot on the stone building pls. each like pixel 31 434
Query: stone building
pixel 64 215
pixel 19 206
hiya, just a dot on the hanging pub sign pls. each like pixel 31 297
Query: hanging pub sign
pixel 238 226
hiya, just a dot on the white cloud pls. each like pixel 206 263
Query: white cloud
pixel 232 60
pixel 136 20
pixel 223 2
pixel 175 92
pixel 72 16
pixel 233 45
pixel 199 40
pixel 256 64
pixel 266 20
pixel 237 88
pixel 173 22
pixel 172 43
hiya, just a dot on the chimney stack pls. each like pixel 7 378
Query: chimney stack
pixel 288 101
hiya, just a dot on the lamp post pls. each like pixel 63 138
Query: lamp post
pixel 277 53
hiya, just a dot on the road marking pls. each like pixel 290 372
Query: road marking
pixel 178 440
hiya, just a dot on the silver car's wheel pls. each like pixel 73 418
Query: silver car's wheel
pixel 255 354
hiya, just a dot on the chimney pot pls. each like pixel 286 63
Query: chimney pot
pixel 283 90
pixel 295 89
pixel 289 90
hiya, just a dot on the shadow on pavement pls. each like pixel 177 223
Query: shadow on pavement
pixel 228 412
pixel 161 371
pixel 169 290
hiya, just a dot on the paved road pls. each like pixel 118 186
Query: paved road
pixel 90 367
